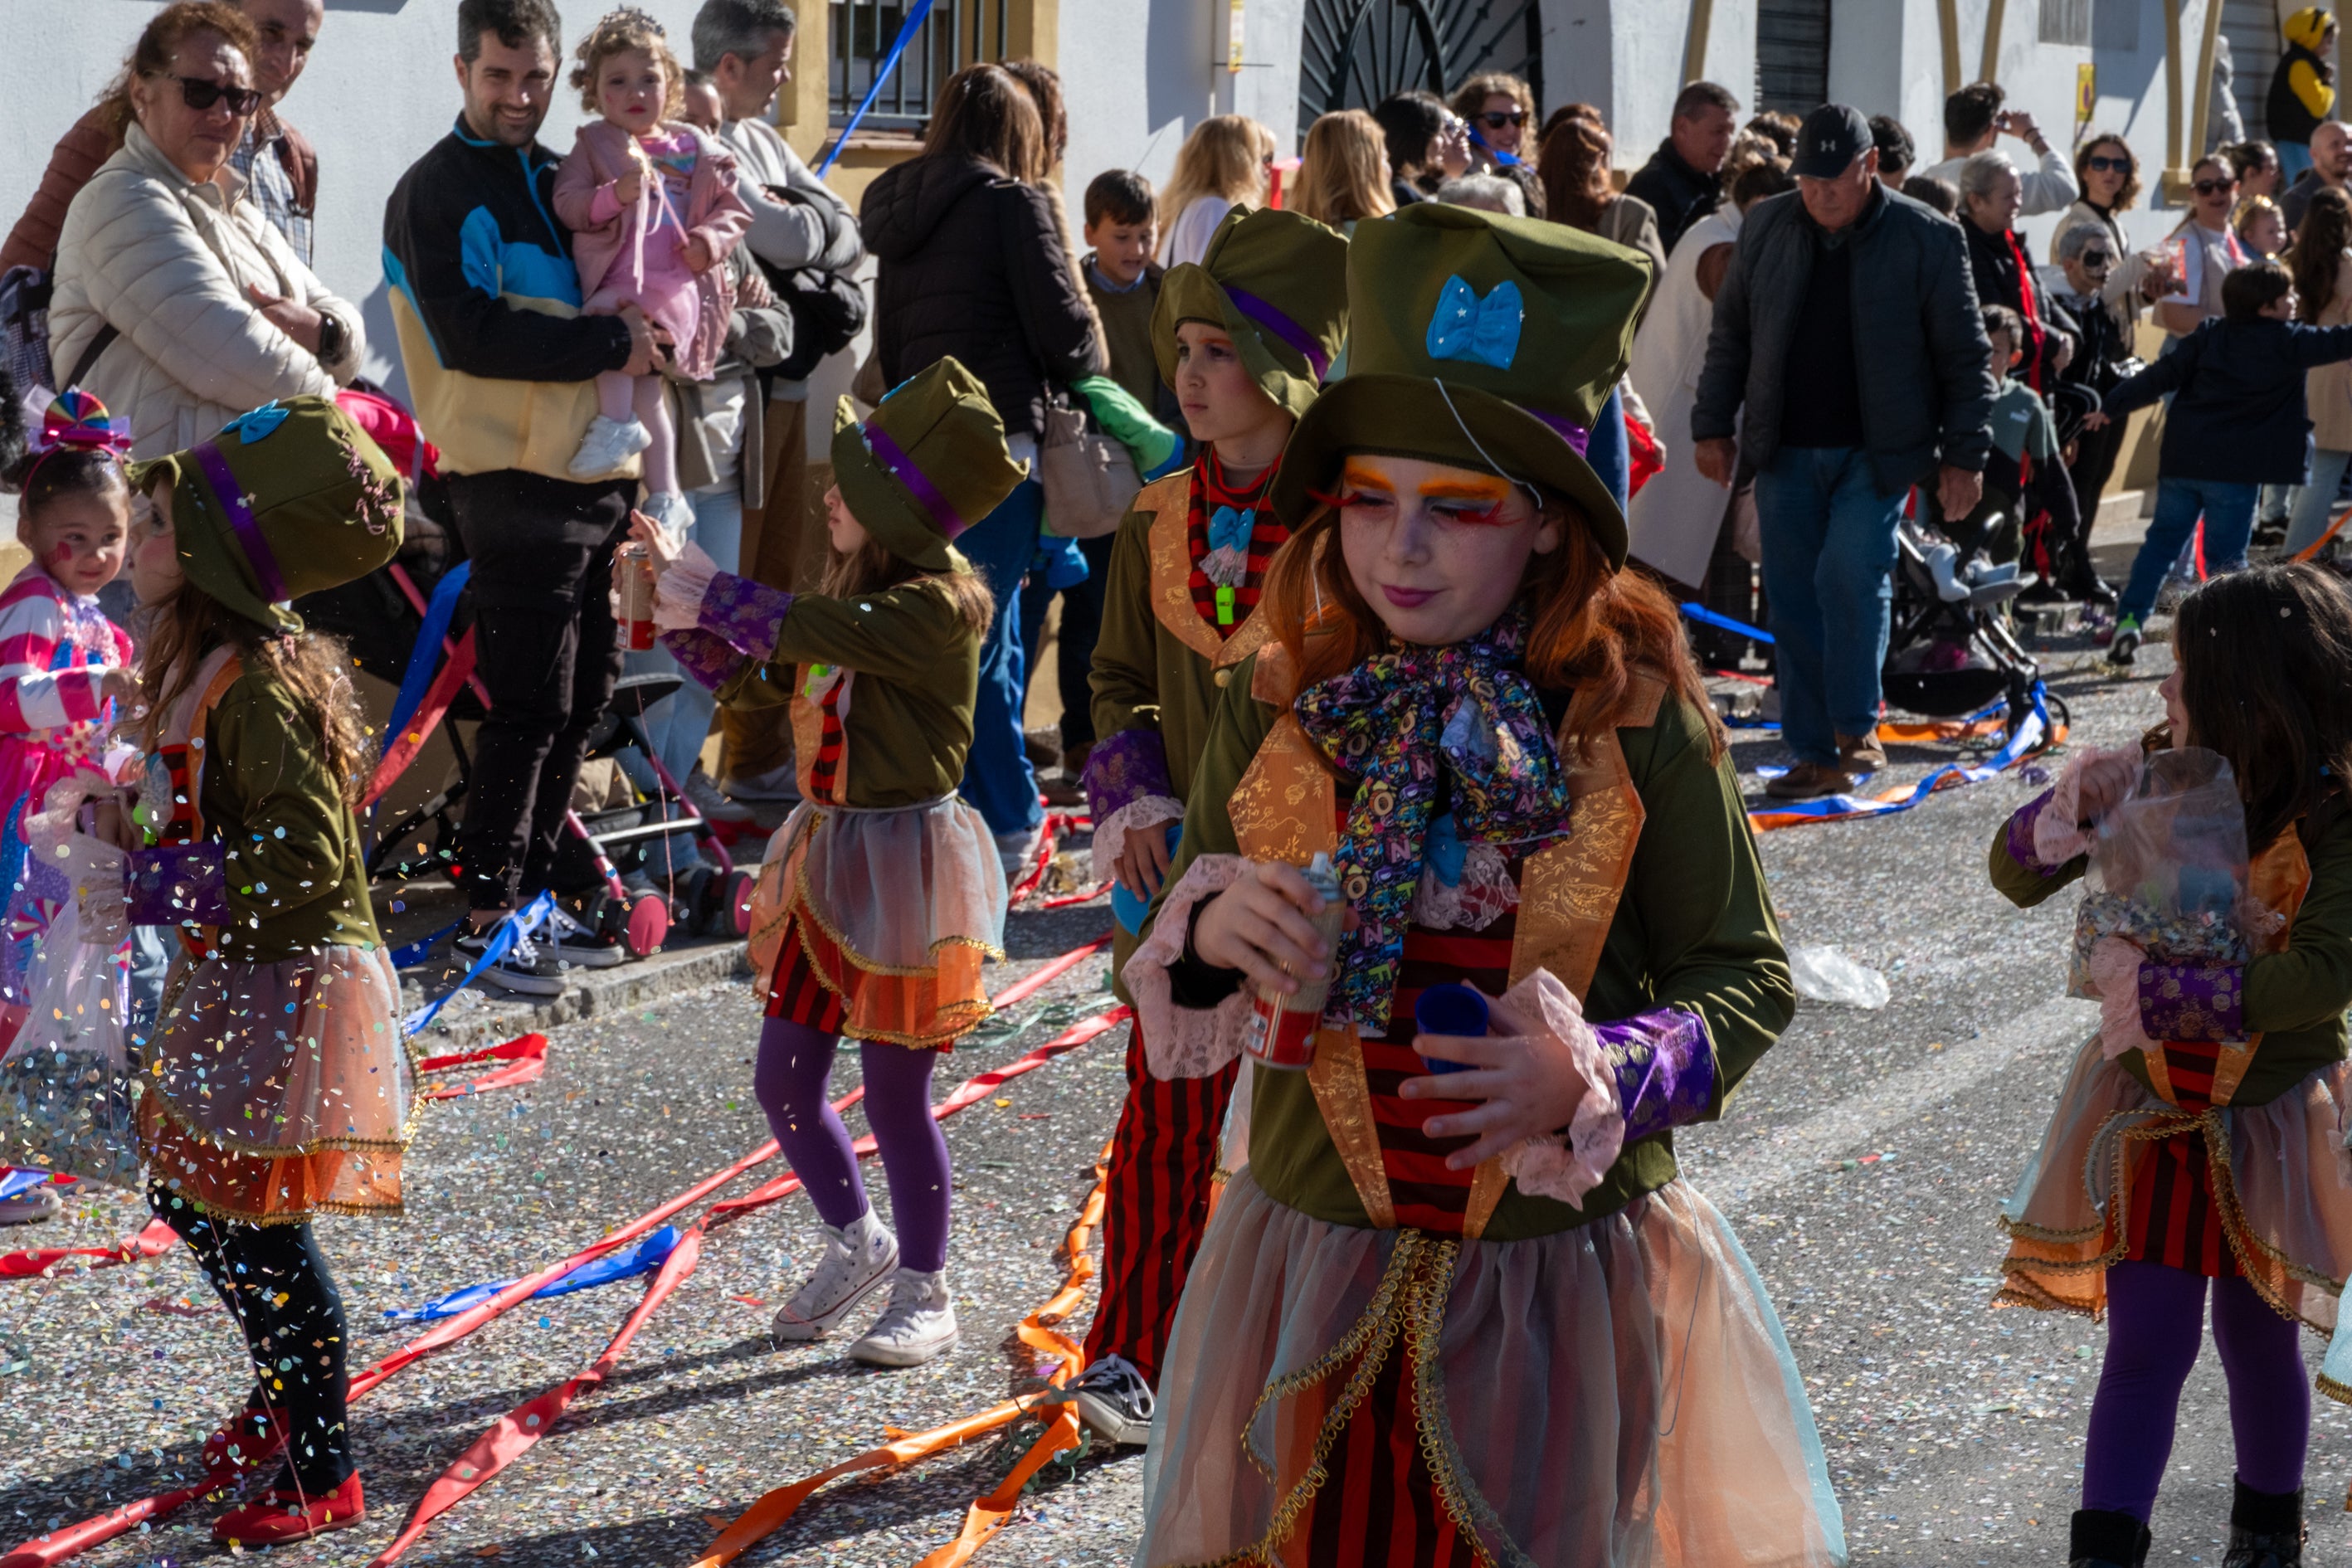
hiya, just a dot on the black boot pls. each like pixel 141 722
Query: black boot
pixel 2102 1539
pixel 2266 1530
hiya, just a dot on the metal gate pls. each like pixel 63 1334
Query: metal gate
pixel 1792 55
pixel 1356 52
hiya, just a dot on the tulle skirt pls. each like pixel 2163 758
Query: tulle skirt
pixel 2282 1187
pixel 277 1091
pixel 896 910
pixel 1617 1394
pixel 30 892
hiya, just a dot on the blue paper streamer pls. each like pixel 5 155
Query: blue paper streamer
pixel 17 1184
pixel 881 74
pixel 425 657
pixel 517 925
pixel 2034 732
pixel 643 1257
pixel 415 954
pixel 1708 617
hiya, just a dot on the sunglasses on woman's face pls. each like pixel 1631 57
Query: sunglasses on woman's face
pixel 1495 118
pixel 200 95
pixel 2214 187
pixel 2095 260
pixel 2100 163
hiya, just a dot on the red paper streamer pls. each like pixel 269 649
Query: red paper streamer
pixel 152 1242
pixel 526 1059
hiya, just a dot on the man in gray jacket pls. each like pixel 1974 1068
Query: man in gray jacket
pixel 797 222
pixel 1847 329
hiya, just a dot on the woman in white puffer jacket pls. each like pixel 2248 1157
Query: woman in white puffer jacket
pixel 211 311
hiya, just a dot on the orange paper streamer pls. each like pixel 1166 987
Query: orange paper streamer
pixel 525 1058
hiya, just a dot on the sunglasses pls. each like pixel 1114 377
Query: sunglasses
pixel 2214 187
pixel 199 94
pixel 2099 162
pixel 1497 119
pixel 2097 258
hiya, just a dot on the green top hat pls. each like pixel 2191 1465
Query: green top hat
pixel 1479 341
pixel 290 499
pixel 1277 283
pixel 929 463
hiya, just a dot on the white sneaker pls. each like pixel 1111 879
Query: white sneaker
pixel 573 943
pixel 918 1325
pixel 608 444
pixel 858 1260
pixel 1114 1401
pixel 780 784
pixel 706 798
pixel 1018 850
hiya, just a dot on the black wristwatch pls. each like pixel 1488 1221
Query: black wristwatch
pixel 330 339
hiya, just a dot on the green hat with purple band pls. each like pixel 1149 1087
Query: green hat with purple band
pixel 927 464
pixel 290 499
pixel 1277 284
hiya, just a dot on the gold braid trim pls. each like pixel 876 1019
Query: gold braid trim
pixel 971 1013
pixel 2333 1389
pixel 1473 1515
pixel 805 906
pixel 1372 1335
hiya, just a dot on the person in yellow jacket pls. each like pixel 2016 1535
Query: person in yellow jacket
pixel 2302 87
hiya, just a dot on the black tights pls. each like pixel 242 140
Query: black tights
pixel 275 1283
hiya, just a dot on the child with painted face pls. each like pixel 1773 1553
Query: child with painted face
pixel 65 668
pixel 882 894
pixel 1244 338
pixel 1463 1288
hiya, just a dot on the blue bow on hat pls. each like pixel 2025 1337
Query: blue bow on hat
pixel 1229 530
pixel 255 425
pixel 1485 332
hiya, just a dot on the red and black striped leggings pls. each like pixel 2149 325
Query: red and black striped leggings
pixel 1156 1204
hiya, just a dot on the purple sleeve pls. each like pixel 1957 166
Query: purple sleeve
pixel 705 656
pixel 747 615
pixel 1665 1068
pixel 179 884
pixel 2020 836
pixel 1126 768
pixel 2193 1003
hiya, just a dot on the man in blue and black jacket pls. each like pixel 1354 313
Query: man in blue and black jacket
pixel 501 368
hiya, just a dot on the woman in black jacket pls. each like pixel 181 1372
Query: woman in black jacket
pixel 973 264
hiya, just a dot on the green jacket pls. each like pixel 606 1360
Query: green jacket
pixel 915 667
pixel 290 846
pixel 1694 926
pixel 2294 1000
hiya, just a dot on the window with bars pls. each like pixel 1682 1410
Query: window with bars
pixel 953 35
pixel 2066 21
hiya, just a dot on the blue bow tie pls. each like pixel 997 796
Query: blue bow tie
pixel 1485 332
pixel 256 424
pixel 1229 530
pixel 1442 851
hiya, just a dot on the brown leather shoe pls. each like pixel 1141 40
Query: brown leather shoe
pixel 1861 753
pixel 1809 781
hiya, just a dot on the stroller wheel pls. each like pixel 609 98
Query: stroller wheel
pixel 737 918
pixel 646 925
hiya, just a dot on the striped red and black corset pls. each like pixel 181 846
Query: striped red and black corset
pixel 2174 1218
pixel 181 829
pixel 824 774
pixel 1427 1196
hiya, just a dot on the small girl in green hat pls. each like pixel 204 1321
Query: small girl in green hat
pixel 882 894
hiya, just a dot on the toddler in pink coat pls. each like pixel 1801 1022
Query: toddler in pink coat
pixel 652 207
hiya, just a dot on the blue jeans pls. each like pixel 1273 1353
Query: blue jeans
pixel 997 778
pixel 680 723
pixel 2229 513
pixel 1829 553
pixel 2316 507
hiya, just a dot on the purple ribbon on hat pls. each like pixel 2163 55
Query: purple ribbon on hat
pixel 240 518
pixel 900 466
pixel 1577 437
pixel 1281 326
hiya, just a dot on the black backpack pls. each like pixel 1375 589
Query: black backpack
pixel 827 310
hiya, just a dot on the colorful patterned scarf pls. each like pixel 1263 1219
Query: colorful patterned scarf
pixel 1390 722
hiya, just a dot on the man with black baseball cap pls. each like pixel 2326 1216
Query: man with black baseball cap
pixel 1842 397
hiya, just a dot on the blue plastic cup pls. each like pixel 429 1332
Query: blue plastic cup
pixel 1125 906
pixel 1450 1008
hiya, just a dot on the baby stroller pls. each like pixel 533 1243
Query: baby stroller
pixel 1949 650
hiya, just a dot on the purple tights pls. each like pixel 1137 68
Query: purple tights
pixel 2155 1324
pixel 791 1078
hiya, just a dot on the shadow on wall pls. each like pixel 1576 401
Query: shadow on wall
pixel 1177 42
pixel 383 365
pixel 387 7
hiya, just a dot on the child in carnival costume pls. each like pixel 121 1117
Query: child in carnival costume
pixel 279 1084
pixel 1245 337
pixel 883 893
pixel 1479 1316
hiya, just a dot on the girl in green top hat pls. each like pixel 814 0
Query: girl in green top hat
pixel 279 1086
pixel 1475 1315
pixel 882 893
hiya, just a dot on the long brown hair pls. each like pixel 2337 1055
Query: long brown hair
pixel 316 667
pixel 2265 659
pixel 870 569
pixel 983 112
pixel 1344 173
pixel 160 42
pixel 1594 628
pixel 2318 253
pixel 1573 161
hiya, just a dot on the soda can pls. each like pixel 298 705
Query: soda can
pixel 636 595
pixel 1281 1029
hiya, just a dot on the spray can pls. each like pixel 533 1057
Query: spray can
pixel 636 595
pixel 1281 1029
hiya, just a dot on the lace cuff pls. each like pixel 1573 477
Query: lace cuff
pixel 2056 833
pixel 1185 1042
pixel 2192 1002
pixel 678 592
pixel 2116 966
pixel 1122 769
pixel 1110 832
pixel 705 658
pixel 1566 1165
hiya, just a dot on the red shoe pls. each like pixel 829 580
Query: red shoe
pixel 281 1517
pixel 253 1433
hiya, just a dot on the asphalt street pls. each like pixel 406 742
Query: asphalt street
pixel 1862 1163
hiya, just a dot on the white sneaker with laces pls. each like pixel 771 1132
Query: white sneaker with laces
pixel 707 799
pixel 576 944
pixel 608 444
pixel 1114 1401
pixel 918 1325
pixel 858 1260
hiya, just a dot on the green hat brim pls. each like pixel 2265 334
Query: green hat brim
pixel 1410 417
pixel 209 558
pixel 1187 293
pixel 882 506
